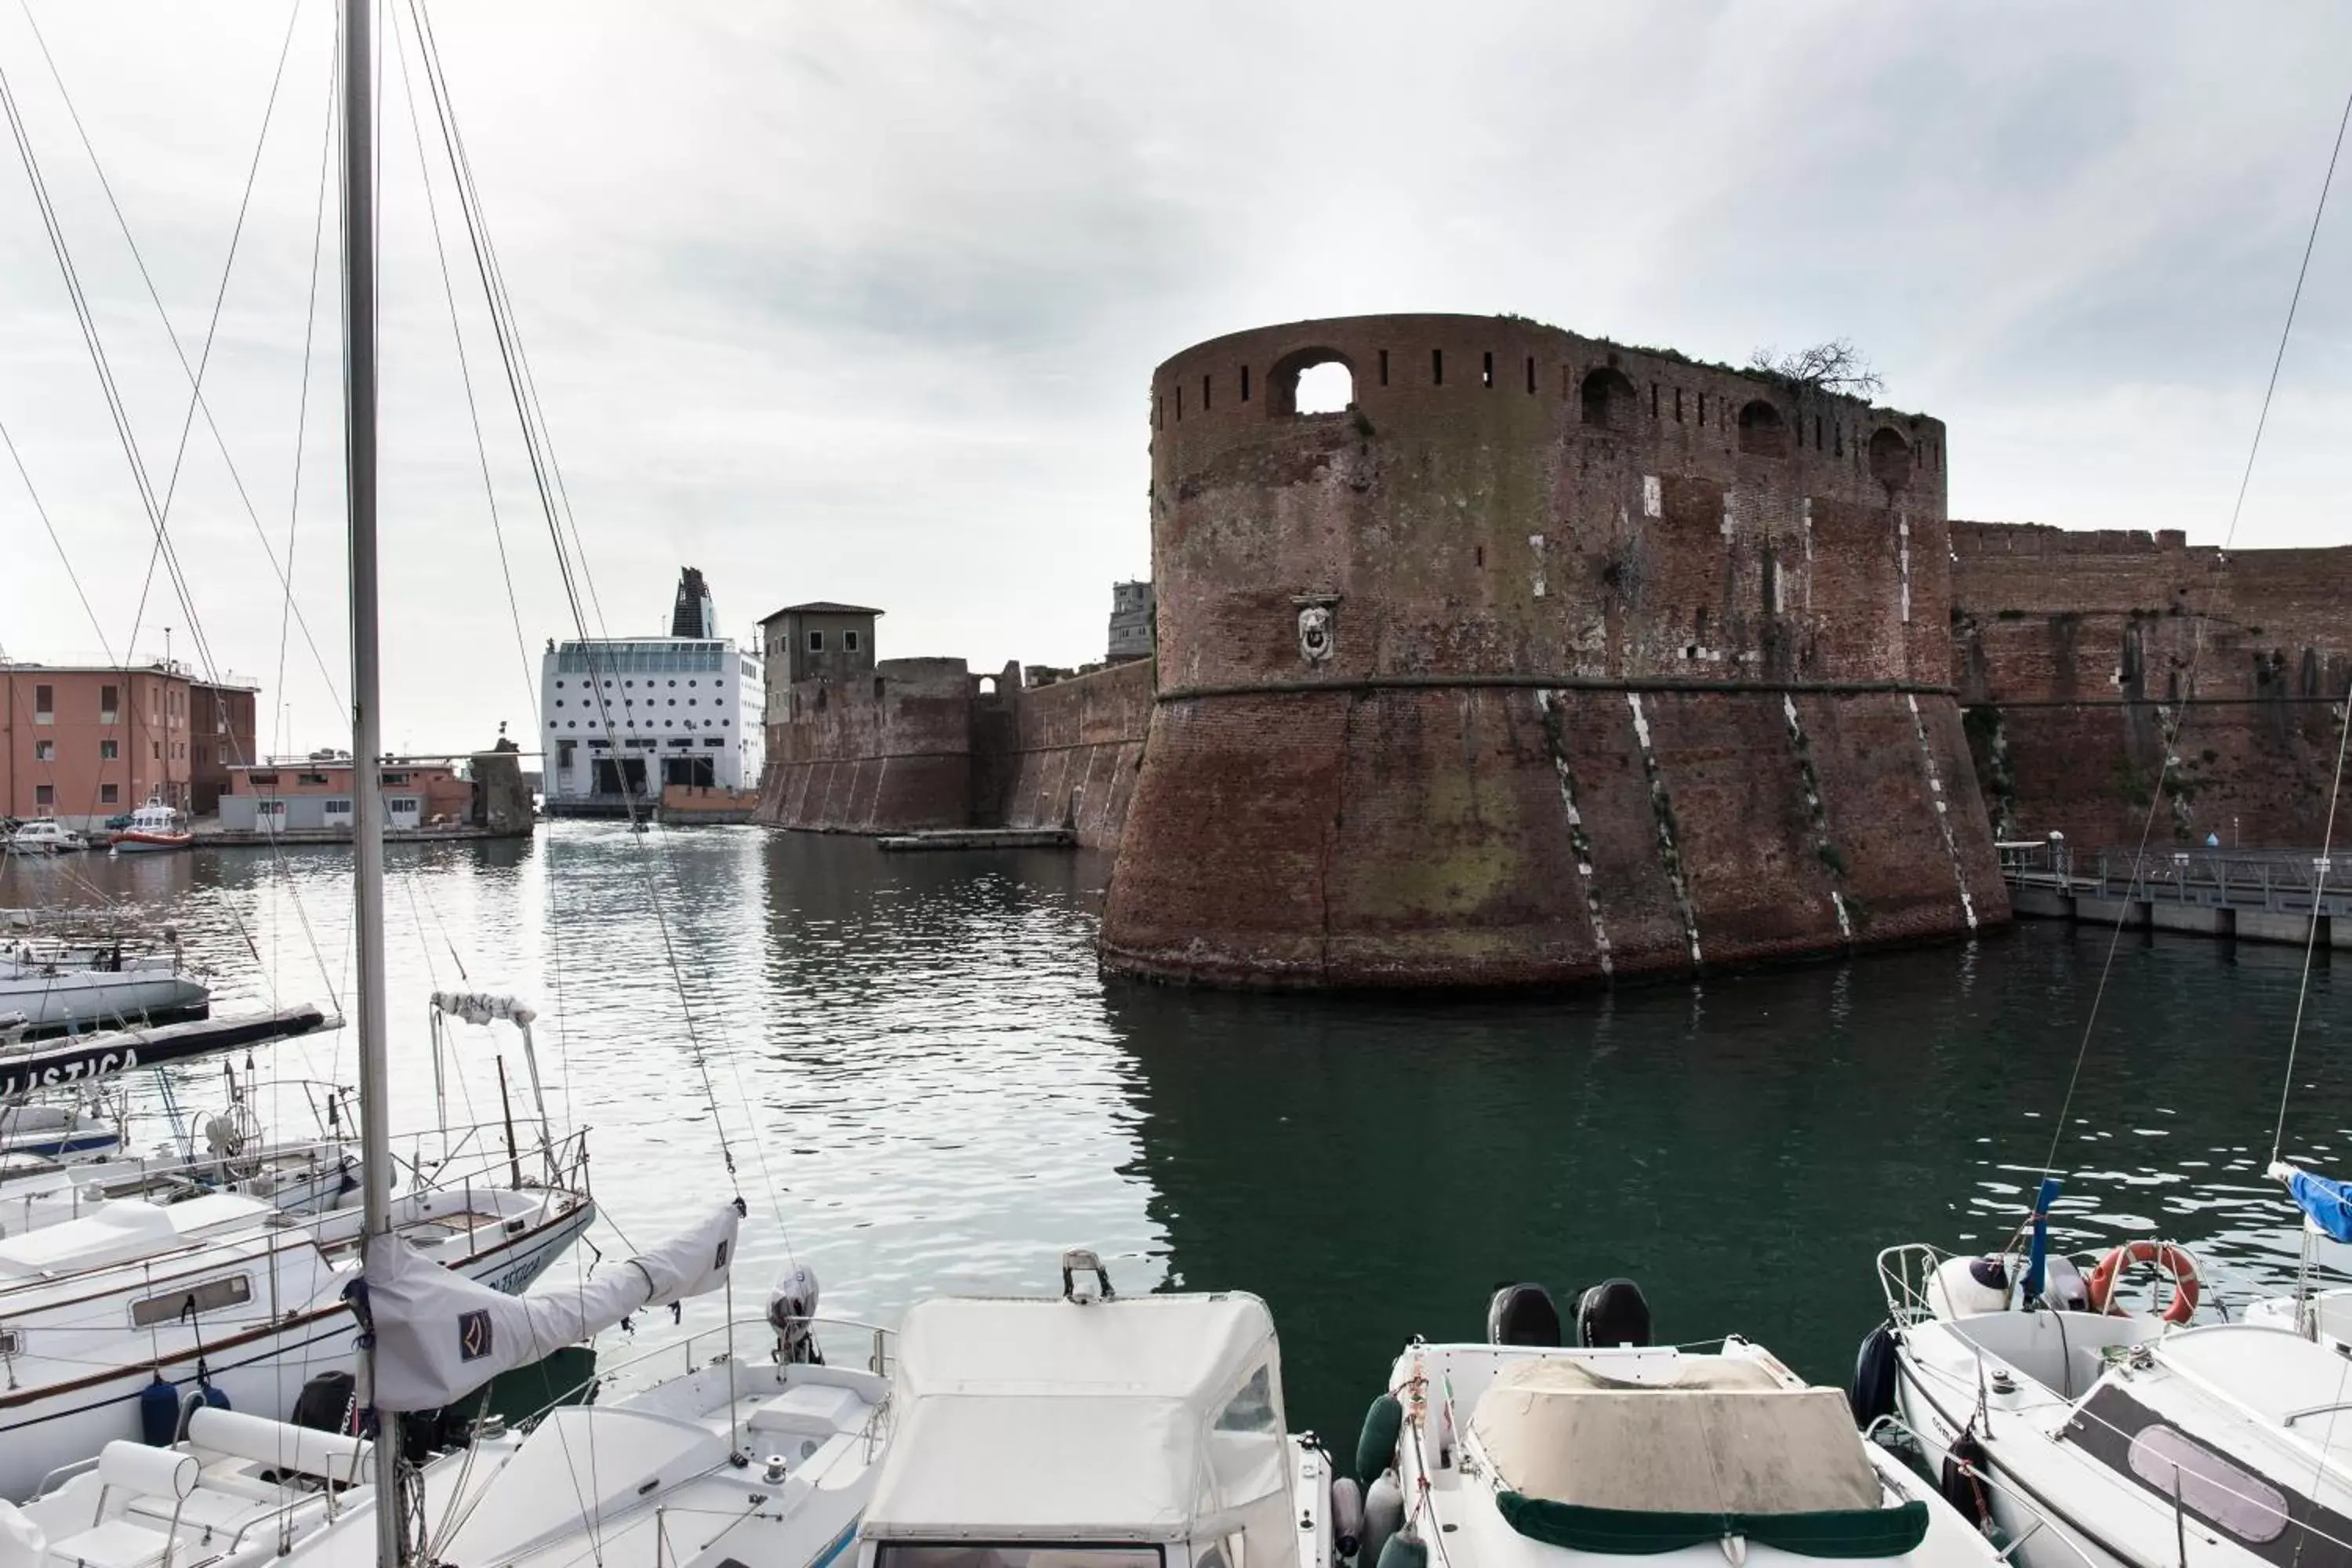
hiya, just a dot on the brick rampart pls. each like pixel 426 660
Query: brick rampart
pixel 1076 746
pixel 2080 655
pixel 891 754
pixel 1547 660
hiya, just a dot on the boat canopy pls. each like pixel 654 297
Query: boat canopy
pixel 1590 1462
pixel 1152 1418
pixel 484 1007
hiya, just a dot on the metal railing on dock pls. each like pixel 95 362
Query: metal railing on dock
pixel 2263 894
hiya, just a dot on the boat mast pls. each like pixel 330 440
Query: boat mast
pixel 367 802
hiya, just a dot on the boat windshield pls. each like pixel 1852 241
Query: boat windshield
pixel 1014 1554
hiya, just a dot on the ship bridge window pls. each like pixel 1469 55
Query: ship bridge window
pixel 209 1297
pixel 2236 1500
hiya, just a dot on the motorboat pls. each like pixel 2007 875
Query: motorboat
pixel 2081 1428
pixel 46 836
pixel 1092 1430
pixel 153 828
pixel 1528 1453
pixel 65 985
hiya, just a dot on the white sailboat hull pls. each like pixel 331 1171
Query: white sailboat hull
pixel 90 996
pixel 261 1369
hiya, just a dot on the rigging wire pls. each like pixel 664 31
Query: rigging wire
pixel 2171 734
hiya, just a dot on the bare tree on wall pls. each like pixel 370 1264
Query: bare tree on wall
pixel 1835 365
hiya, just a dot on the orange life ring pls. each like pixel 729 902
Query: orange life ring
pixel 2175 1261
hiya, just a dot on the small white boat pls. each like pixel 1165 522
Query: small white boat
pixel 1523 1453
pixel 1092 1431
pixel 2085 1431
pixel 46 836
pixel 153 828
pixel 58 985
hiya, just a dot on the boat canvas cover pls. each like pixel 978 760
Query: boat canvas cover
pixel 1722 1439
pixel 1154 1418
pixel 2326 1201
pixel 87 1058
pixel 484 1007
pixel 439 1335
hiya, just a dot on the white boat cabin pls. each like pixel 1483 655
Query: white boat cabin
pixel 1108 1432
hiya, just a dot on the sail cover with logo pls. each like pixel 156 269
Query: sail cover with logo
pixel 439 1335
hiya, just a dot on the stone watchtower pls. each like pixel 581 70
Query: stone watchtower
pixel 1538 660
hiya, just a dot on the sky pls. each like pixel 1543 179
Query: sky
pixel 861 301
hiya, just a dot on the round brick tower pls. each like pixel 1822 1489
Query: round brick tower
pixel 1541 660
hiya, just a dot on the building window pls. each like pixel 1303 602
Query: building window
pixel 816 645
pixel 110 794
pixel 394 778
pixel 209 1297
pixel 339 806
pixel 400 805
pixel 44 705
pixel 108 701
pixel 320 779
pixel 45 751
pixel 45 794
pixel 270 780
pixel 157 747
pixel 849 642
pixel 108 751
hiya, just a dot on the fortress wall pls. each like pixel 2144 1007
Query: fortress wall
pixel 1538 583
pixel 2081 655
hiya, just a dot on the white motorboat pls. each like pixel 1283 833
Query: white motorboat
pixel 2133 1440
pixel 1525 1453
pixel 1092 1431
pixel 153 828
pixel 46 836
pixel 83 1128
pixel 60 985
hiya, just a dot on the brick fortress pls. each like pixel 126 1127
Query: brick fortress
pixel 1544 660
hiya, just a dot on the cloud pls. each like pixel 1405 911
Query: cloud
pixel 862 302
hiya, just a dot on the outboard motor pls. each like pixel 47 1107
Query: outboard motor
pixel 326 1402
pixel 1523 1315
pixel 792 1306
pixel 2064 1290
pixel 1613 1312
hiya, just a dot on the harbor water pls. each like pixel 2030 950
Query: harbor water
pixel 924 1085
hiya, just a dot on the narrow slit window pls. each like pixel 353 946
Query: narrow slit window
pixel 1437 367
pixel 1531 374
pixel 1653 400
pixel 1205 394
pixel 1678 405
pixel 1244 383
pixel 1486 370
pixel 1384 367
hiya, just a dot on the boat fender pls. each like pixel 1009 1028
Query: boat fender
pixel 1384 1517
pixel 159 1413
pixel 1961 1489
pixel 1523 1315
pixel 215 1397
pixel 1404 1550
pixel 1376 1448
pixel 1347 1517
pixel 22 1545
pixel 1966 1286
pixel 1613 1312
pixel 1872 1394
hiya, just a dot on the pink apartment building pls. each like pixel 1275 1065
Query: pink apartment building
pixel 84 743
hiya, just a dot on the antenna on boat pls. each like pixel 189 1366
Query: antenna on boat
pixel 367 747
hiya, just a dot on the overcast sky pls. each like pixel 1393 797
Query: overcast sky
pixel 860 302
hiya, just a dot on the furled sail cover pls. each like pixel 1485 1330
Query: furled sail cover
pixel 439 1335
pixel 2328 1202
pixel 484 1007
pixel 1586 1462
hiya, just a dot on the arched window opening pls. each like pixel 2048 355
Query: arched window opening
pixel 1890 458
pixel 1311 380
pixel 1609 399
pixel 988 686
pixel 1762 431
